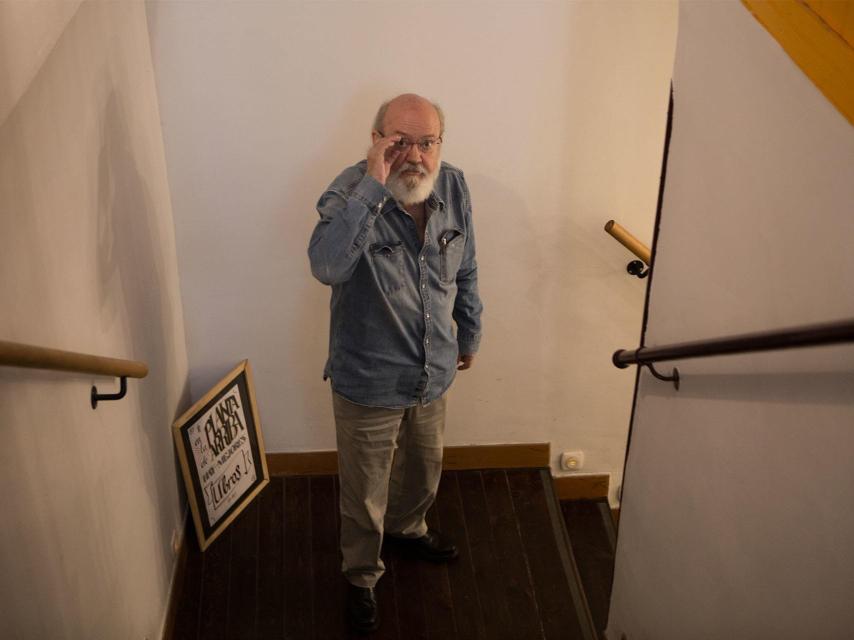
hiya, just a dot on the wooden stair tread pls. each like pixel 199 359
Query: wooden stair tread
pixel 276 572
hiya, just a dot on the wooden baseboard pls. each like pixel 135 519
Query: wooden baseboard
pixel 582 487
pixel 491 456
pixel 496 456
pixel 304 463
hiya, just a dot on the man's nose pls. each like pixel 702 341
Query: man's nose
pixel 414 154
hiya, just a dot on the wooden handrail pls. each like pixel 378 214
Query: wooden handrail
pixel 629 241
pixel 14 354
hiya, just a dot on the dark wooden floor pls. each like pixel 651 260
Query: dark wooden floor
pixel 275 573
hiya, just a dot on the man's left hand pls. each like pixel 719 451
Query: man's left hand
pixel 464 361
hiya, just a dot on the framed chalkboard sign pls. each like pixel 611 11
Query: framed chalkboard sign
pixel 221 451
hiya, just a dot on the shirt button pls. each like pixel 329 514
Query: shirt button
pixel 422 258
pixel 427 341
pixel 428 315
pixel 423 286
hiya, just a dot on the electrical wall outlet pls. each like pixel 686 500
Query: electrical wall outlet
pixel 176 541
pixel 572 460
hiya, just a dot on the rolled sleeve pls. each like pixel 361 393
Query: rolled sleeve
pixel 347 214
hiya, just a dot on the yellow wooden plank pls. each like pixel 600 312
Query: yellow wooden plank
pixel 837 14
pixel 821 53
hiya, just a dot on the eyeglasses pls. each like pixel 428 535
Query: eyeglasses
pixel 424 146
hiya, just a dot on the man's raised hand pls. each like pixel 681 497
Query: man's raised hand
pixel 382 158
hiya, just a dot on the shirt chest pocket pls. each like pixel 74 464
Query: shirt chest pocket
pixel 387 265
pixel 451 245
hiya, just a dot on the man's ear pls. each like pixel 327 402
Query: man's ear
pixel 375 136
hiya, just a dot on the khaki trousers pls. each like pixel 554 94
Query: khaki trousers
pixel 389 465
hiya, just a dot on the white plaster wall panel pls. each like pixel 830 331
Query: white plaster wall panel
pixel 90 498
pixel 734 520
pixel 556 113
pixel 30 30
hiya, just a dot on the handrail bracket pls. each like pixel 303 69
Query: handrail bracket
pixel 123 389
pixel 674 377
pixel 636 268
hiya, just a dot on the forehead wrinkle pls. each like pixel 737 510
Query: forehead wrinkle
pixel 428 136
pixel 416 130
pixel 413 120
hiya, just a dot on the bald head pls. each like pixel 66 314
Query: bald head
pixel 409 107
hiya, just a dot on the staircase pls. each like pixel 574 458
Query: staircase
pixel 593 538
pixel 275 573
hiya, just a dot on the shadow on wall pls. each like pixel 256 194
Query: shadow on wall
pixel 134 286
pixel 510 258
pixel 346 142
pixel 829 387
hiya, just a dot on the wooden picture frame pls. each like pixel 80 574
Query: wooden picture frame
pixel 221 451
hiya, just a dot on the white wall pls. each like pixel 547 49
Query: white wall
pixel 30 31
pixel 556 113
pixel 89 499
pixel 736 518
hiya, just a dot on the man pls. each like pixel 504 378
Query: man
pixel 395 241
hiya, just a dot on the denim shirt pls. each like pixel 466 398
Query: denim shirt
pixel 395 301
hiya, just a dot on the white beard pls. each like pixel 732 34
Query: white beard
pixel 409 190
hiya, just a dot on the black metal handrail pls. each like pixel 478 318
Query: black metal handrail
pixel 804 336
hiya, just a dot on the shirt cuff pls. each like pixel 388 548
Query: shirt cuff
pixel 371 192
pixel 468 345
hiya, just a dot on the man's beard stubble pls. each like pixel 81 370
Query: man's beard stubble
pixel 409 190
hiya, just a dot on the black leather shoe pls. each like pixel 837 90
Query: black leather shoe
pixel 362 609
pixel 432 546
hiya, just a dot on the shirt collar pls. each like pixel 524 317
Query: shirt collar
pixel 435 203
